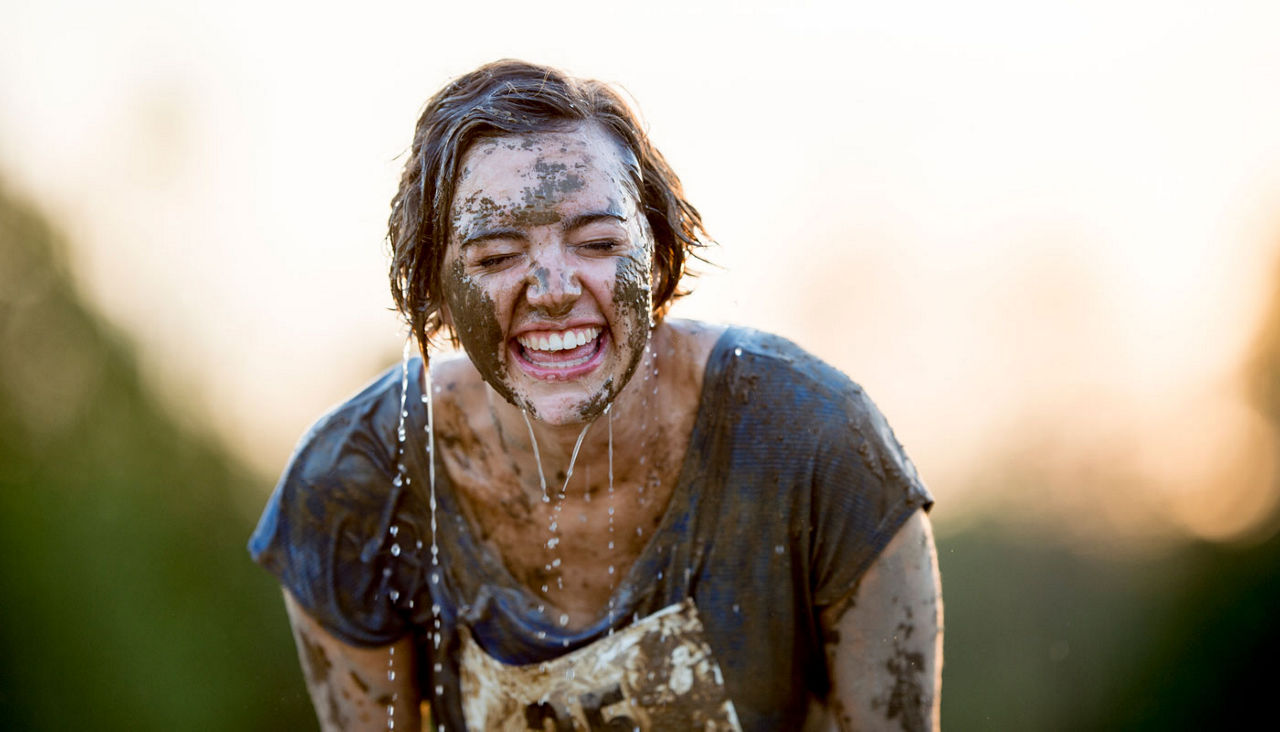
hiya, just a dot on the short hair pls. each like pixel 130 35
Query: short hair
pixel 513 97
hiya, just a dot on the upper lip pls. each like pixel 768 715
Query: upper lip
pixel 557 326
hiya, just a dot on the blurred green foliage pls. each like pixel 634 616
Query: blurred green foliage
pixel 1042 637
pixel 128 602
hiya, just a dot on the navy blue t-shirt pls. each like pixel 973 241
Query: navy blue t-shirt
pixel 790 488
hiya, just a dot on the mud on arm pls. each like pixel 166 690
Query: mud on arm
pixel 349 685
pixel 884 641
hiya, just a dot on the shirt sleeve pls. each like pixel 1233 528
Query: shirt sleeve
pixel 865 489
pixel 324 534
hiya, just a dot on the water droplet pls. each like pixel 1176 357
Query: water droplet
pixel 737 351
pixel 555 562
pixel 542 635
pixel 395 595
pixel 391 676
pixel 778 549
pixel 435 608
pixel 564 619
pixel 439 690
pixel 736 608
pixel 610 569
pixel 394 529
pixel 659 574
pixel 611 545
pixel 544 589
pixel 639 531
pixel 439 668
pixel 395 550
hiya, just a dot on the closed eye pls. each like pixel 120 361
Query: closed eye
pixel 495 260
pixel 602 245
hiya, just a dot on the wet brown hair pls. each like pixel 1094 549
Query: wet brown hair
pixel 513 97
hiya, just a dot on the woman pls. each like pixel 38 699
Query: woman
pixel 600 518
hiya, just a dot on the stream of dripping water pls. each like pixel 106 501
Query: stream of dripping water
pixel 402 479
pixel 553 541
pixel 612 581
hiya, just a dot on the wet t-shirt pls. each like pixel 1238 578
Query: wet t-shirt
pixel 791 486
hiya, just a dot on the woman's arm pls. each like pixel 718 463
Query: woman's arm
pixel 350 686
pixel 884 641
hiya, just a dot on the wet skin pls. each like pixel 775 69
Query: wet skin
pixel 546 236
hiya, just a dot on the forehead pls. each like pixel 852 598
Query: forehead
pixel 543 170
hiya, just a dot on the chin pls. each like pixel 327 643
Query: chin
pixel 576 404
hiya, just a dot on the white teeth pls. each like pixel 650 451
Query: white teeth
pixel 560 341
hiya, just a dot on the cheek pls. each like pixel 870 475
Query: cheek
pixel 632 285
pixel 633 298
pixel 474 318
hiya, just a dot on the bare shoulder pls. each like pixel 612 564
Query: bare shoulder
pixel 451 371
pixel 689 344
pixel 458 391
pixel 464 426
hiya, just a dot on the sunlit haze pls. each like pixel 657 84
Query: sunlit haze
pixel 1041 235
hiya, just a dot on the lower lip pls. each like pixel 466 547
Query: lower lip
pixel 565 374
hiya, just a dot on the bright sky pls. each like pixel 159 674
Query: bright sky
pixel 1040 228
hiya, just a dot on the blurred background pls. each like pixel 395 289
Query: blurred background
pixel 1044 236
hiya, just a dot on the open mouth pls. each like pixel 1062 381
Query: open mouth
pixel 559 355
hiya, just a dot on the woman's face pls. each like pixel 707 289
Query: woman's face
pixel 547 275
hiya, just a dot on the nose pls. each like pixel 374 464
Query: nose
pixel 552 284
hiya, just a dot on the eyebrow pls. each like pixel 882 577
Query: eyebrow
pixel 490 234
pixel 573 223
pixel 591 217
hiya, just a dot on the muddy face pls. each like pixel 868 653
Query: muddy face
pixel 547 278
